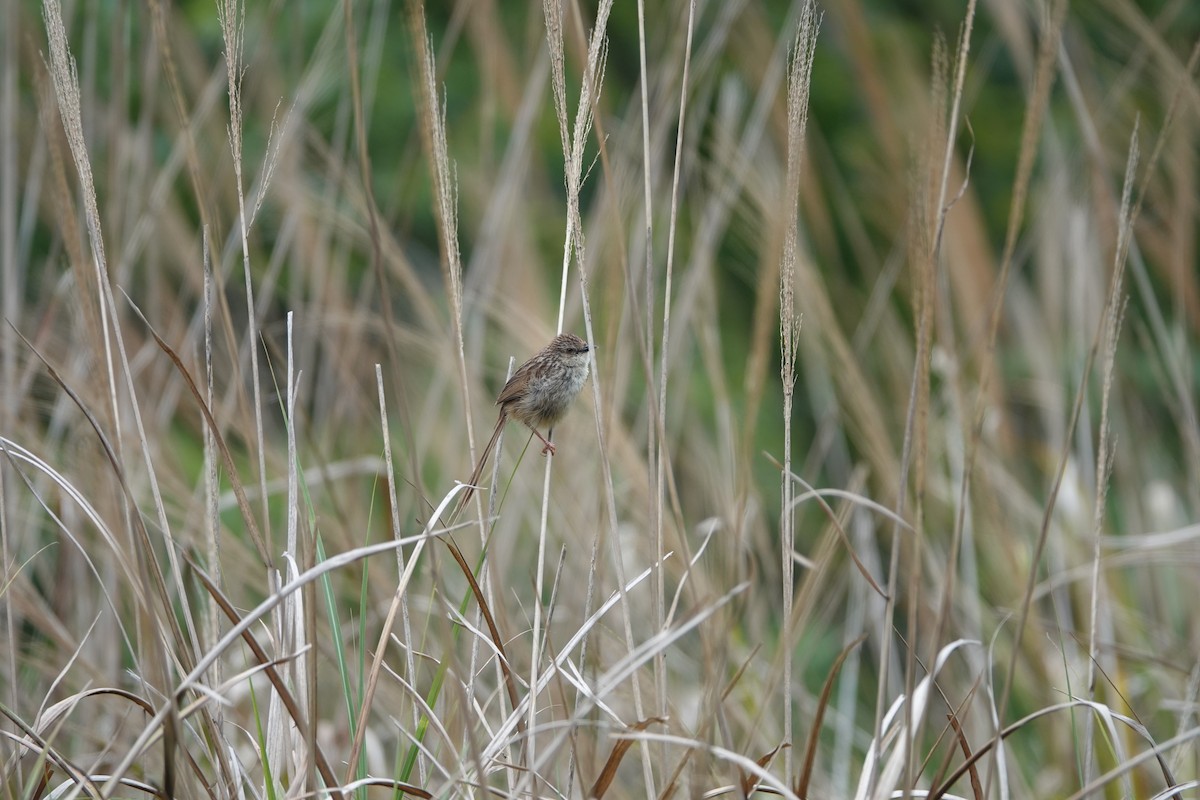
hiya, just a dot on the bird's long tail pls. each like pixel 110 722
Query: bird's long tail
pixel 477 475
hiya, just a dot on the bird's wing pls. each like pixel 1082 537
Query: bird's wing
pixel 512 390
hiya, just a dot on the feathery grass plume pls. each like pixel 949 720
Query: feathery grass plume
pixel 445 192
pixel 798 83
pixel 1114 313
pixel 927 233
pixel 231 14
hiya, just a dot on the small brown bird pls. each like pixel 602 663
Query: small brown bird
pixel 538 394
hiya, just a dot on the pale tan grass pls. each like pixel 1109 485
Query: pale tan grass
pixel 232 17
pixel 800 60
